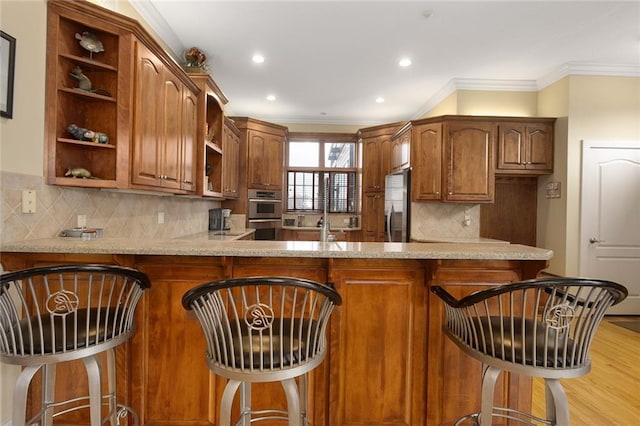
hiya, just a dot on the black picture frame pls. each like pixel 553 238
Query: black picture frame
pixel 7 70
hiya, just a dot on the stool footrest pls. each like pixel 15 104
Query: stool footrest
pixel 122 410
pixel 267 414
pixel 518 416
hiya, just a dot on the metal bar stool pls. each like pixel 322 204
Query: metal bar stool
pixel 263 329
pixel 539 328
pixel 53 314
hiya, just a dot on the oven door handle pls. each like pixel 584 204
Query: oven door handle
pixel 264 220
pixel 264 200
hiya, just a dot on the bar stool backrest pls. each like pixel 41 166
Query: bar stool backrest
pixel 59 313
pixel 265 325
pixel 540 325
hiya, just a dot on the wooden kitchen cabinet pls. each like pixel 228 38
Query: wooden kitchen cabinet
pixel 103 109
pixel 266 156
pixel 140 98
pixel 376 156
pixel 525 147
pixel 388 362
pixel 230 159
pixel 164 126
pixel 378 344
pixel 426 174
pixel 210 137
pixel 452 159
pixel 263 145
pixel 469 152
pixel 372 222
pixel 400 149
pixel 458 383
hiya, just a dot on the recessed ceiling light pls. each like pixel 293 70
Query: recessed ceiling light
pixel 271 97
pixel 379 99
pixel 257 58
pixel 404 62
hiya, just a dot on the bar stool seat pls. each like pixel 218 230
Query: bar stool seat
pixel 538 328
pixel 55 314
pixel 263 329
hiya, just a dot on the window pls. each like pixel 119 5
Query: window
pixel 311 159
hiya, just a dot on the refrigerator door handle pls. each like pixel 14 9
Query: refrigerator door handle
pixel 389 222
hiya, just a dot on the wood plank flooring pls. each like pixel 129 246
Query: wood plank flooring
pixel 610 394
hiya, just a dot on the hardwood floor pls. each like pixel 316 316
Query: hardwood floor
pixel 610 394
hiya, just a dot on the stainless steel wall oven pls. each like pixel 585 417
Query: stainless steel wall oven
pixel 265 213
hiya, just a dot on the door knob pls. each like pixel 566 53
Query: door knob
pixel 594 240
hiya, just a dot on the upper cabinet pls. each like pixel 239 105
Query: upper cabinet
pixel 468 155
pixel 452 159
pixel 231 158
pixel 210 139
pixel 400 149
pixel 525 146
pixel 87 91
pixel 263 144
pixel 164 126
pixel 121 113
pixel 376 155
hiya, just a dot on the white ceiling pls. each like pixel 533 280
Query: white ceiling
pixel 327 61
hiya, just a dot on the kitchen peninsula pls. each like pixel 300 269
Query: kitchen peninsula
pixel 388 363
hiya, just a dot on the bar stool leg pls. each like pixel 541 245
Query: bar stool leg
pixel 48 392
pixel 302 390
pixel 95 389
pixel 245 403
pixel 293 401
pixel 20 394
pixel 227 400
pixel 111 384
pixel 556 402
pixel 489 378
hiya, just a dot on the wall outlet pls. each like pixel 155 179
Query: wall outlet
pixel 160 218
pixel 82 221
pixel 28 201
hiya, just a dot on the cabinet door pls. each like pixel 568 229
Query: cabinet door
pixel 525 148
pixel 469 156
pixel 171 146
pixel 189 141
pixel 147 137
pixel 230 158
pixel 454 379
pixel 379 338
pixel 426 178
pixel 539 147
pixel 373 217
pixel 400 151
pixel 511 147
pixel 376 162
pixel 175 387
pixel 265 160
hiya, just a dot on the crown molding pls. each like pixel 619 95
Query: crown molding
pixel 589 68
pixel 565 70
pixel 152 17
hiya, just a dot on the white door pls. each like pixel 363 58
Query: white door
pixel 610 217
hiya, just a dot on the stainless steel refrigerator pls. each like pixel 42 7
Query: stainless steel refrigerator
pixel 397 203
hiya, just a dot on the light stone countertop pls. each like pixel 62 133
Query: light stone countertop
pixel 202 244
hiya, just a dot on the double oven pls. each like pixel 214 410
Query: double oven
pixel 264 210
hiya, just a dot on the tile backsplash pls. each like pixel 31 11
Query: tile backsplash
pixel 440 220
pixel 119 213
pixel 129 215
